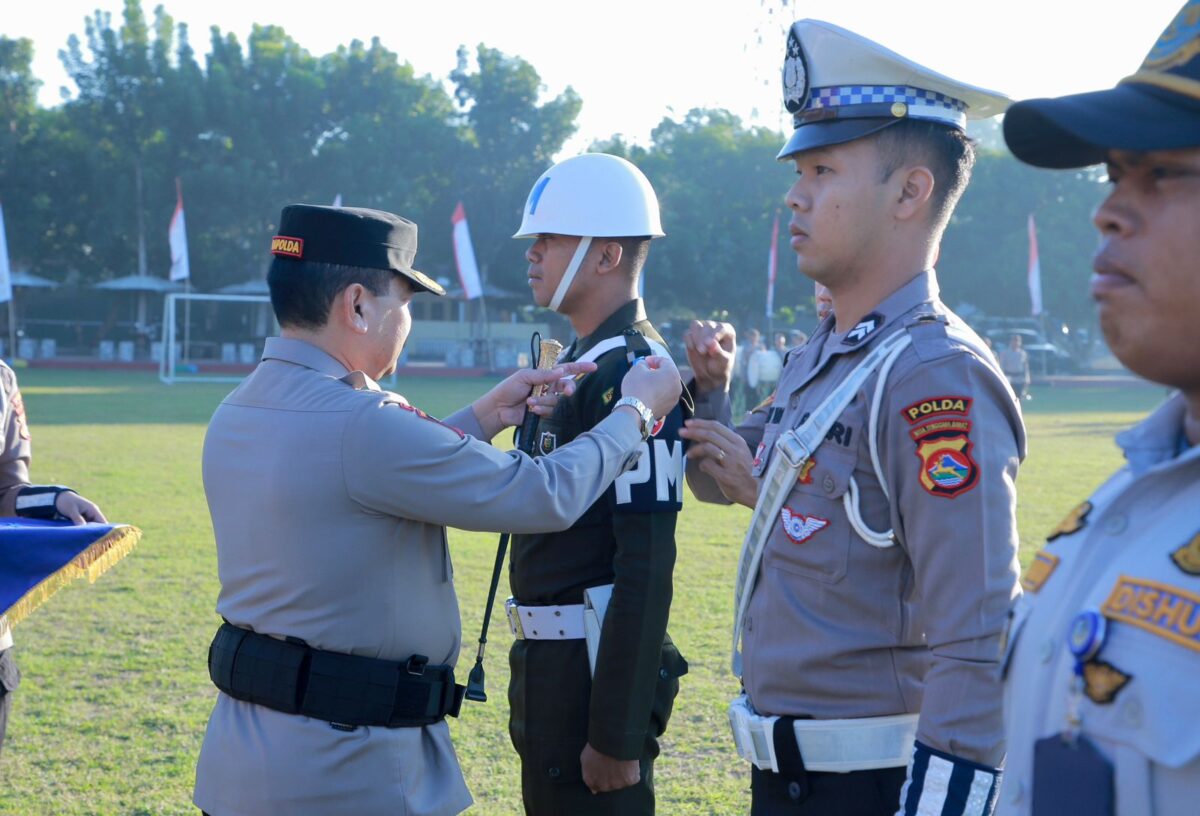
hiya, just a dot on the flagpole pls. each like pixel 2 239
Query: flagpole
pixel 12 327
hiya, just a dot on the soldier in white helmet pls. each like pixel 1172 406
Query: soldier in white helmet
pixel 588 735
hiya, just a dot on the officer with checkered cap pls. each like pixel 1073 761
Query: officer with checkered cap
pixel 1104 646
pixel 330 499
pixel 881 561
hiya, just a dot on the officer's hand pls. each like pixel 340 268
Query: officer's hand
pixel 504 406
pixel 78 509
pixel 725 457
pixel 711 347
pixel 655 381
pixel 602 773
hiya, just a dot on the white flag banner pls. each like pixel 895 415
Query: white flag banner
pixel 5 270
pixel 464 255
pixel 177 235
pixel 1035 272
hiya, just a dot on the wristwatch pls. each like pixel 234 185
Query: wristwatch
pixel 645 413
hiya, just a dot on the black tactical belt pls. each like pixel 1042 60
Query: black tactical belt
pixel 292 677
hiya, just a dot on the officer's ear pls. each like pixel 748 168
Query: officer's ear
pixel 354 307
pixel 915 190
pixel 610 257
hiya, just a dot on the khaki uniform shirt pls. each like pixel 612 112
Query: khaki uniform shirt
pixel 328 499
pixel 14 457
pixel 837 628
pixel 1131 553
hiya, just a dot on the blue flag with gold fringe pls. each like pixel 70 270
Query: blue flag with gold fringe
pixel 38 558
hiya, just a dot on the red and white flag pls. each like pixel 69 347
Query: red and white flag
pixel 772 266
pixel 1035 272
pixel 464 255
pixel 5 271
pixel 177 236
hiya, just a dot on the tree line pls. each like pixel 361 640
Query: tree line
pixel 248 127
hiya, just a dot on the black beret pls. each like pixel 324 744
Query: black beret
pixel 351 236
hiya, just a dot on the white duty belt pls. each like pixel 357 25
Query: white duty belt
pixel 793 448
pixel 837 746
pixel 563 622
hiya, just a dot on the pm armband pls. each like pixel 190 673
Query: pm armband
pixel 41 502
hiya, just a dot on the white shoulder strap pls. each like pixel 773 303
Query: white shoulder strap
pixel 604 346
pixel 850 500
pixel 793 448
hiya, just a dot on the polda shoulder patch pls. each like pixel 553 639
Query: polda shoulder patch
pixel 936 406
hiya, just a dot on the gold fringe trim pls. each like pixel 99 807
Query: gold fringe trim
pixel 100 556
pixel 1171 82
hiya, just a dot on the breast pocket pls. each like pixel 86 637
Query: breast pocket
pixel 1141 695
pixel 811 536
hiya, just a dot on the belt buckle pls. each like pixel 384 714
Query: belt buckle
pixel 792 450
pixel 514 618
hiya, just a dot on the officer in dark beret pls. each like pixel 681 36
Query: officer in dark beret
pixel 330 499
pixel 1104 646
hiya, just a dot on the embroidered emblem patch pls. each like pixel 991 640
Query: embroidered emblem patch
pixel 1178 43
pixel 758 452
pixel 799 527
pixel 795 75
pixel 606 398
pixel 1187 557
pixel 18 409
pixel 1103 681
pixel 1039 570
pixel 863 329
pixel 547 442
pixel 428 418
pixel 291 247
pixel 947 468
pixel 1167 611
pixel 805 477
pixel 937 406
pixel 1075 521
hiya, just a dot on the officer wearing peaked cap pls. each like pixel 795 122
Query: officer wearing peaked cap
pixel 329 500
pixel 880 565
pixel 1104 646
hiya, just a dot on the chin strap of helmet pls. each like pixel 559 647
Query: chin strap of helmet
pixel 569 275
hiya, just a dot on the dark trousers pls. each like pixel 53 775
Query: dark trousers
pixel 555 796
pixel 9 678
pixel 858 793
pixel 549 695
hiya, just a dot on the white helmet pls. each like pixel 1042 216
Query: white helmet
pixel 594 195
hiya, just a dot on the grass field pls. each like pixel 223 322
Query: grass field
pixel 115 693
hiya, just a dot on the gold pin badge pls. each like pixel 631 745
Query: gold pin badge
pixel 1187 557
pixel 1103 681
pixel 1075 521
pixel 899 110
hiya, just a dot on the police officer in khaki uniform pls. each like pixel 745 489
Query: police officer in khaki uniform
pixel 1104 647
pixel 20 498
pixel 329 499
pixel 873 599
pixel 588 738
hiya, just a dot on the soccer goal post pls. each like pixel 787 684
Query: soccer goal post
pixel 211 342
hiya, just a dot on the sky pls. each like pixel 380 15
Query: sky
pixel 634 62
